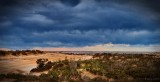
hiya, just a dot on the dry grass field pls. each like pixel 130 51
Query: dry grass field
pixel 23 64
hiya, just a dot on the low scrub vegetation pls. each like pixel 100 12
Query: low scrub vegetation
pixel 20 52
pixel 102 68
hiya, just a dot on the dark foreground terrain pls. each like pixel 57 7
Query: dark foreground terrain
pixel 102 67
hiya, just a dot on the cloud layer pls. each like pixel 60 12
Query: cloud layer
pixel 77 23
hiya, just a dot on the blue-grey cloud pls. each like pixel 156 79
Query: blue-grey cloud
pixel 71 2
pixel 60 23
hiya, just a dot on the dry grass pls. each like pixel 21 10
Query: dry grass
pixel 23 64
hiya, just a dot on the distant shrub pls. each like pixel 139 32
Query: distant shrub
pixel 3 53
pixel 42 65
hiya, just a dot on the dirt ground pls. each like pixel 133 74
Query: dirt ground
pixel 23 64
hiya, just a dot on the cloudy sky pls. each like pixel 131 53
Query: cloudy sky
pixel 80 24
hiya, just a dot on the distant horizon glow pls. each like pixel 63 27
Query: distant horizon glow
pixel 106 47
pixel 100 47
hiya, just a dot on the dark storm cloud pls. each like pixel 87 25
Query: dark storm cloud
pixel 147 5
pixel 6 5
pixel 152 4
pixel 58 23
pixel 71 2
pixel 78 38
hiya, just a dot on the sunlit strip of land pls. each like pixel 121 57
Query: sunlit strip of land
pixel 106 47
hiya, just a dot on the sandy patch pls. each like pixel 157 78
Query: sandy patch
pixel 23 64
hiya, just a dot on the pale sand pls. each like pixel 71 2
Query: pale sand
pixel 23 64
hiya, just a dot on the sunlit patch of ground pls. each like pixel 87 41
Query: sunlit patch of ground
pixel 23 64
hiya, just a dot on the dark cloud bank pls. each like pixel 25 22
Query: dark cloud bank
pixel 74 23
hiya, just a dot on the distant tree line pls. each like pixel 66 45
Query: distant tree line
pixel 20 52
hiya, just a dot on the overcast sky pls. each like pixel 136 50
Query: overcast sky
pixel 27 24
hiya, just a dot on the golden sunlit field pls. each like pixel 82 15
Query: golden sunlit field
pixel 24 63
